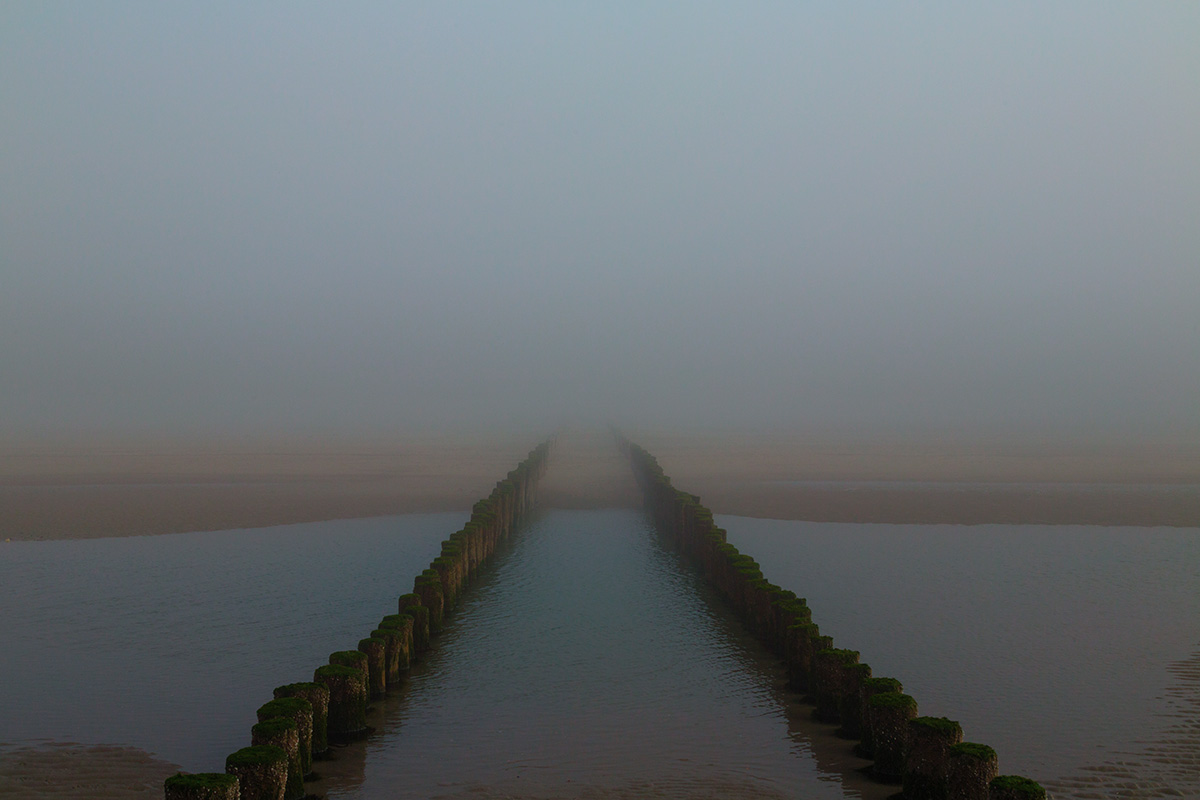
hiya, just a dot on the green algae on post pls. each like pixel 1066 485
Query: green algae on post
pixel 1015 787
pixel 889 714
pixel 972 768
pixel 347 700
pixel 318 696
pixel 261 770
pixel 376 652
pixel 354 659
pixel 927 763
pixel 832 668
pixel 850 703
pixel 284 733
pixel 391 653
pixel 870 688
pixel 299 710
pixel 410 604
pixel 201 786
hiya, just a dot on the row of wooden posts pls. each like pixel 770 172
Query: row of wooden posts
pixel 304 718
pixel 926 755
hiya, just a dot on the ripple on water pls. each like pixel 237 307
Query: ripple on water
pixel 588 664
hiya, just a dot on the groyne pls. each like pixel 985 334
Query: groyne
pixel 925 755
pixel 300 722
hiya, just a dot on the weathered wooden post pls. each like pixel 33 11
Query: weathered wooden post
pixel 870 688
pixel 347 700
pixel 1015 787
pixel 391 654
pixel 404 625
pixel 927 763
pixel 201 786
pixel 410 604
pixel 832 677
pixel 375 650
pixel 850 703
pixel 261 770
pixel 890 713
pixel 355 659
pixel 428 586
pixel 972 768
pixel 299 711
pixel 318 697
pixel 284 733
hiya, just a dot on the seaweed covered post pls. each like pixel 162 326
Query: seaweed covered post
pixel 299 711
pixel 800 661
pixel 1015 787
pixel 927 762
pixel 261 771
pixel 201 786
pixel 391 654
pixel 375 649
pixel 889 714
pixel 347 688
pixel 850 702
pixel 355 659
pixel 428 587
pixel 402 624
pixel 283 733
pixel 410 604
pixel 972 768
pixel 318 697
pixel 832 678
pixel 870 688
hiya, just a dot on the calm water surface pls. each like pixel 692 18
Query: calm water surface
pixel 592 664
pixel 589 664
pixel 1072 650
pixel 169 643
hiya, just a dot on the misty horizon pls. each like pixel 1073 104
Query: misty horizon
pixel 391 219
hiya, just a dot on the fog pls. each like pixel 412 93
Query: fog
pixel 836 219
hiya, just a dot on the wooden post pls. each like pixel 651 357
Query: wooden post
pixel 201 786
pixel 927 763
pixel 318 696
pixel 261 771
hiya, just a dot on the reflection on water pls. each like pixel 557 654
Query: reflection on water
pixel 170 643
pixel 589 665
pixel 1060 646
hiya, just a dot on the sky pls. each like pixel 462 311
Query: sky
pixel 823 218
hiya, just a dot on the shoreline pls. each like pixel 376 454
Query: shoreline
pixel 78 492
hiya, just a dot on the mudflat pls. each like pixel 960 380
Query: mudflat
pixel 1031 482
pixel 88 490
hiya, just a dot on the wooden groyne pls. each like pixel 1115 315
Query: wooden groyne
pixel 303 719
pixel 925 755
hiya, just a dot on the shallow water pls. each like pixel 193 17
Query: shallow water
pixel 169 643
pixel 588 663
pixel 591 664
pixel 1066 648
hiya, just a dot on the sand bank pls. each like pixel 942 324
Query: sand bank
pixel 85 491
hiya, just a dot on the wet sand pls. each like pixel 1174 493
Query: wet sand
pixel 937 482
pixel 70 771
pixel 129 489
pixel 98 490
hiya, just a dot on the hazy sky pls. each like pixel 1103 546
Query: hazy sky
pixel 824 217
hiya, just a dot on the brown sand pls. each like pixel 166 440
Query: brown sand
pixel 69 771
pixel 952 482
pixel 85 491
pixel 74 492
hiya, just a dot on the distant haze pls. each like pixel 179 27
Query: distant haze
pixel 880 219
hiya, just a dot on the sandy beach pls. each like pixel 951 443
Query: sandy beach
pixel 126 489
pixel 142 488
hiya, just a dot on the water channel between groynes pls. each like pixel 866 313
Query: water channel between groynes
pixel 591 663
